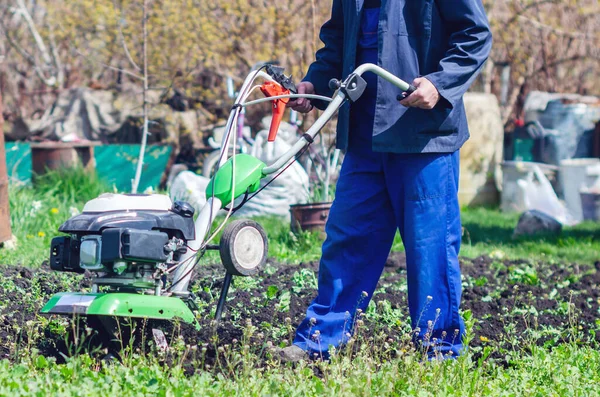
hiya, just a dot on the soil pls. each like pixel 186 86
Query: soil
pixel 514 303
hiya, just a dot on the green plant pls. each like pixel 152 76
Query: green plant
pixel 523 275
pixel 304 279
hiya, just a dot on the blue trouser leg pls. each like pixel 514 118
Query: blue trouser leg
pixel 423 192
pixel 360 231
pixel 376 194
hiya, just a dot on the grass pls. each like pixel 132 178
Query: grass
pixel 37 212
pixel 571 368
pixel 488 231
pixel 567 370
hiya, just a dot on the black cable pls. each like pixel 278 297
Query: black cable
pixel 280 172
pixel 308 138
pixel 191 249
pixel 186 274
pixel 216 165
pixel 237 207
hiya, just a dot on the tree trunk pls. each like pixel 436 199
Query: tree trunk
pixel 140 164
pixel 5 230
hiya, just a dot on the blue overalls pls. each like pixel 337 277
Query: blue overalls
pixel 377 194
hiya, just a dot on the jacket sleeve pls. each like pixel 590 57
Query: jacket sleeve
pixel 469 46
pixel 328 63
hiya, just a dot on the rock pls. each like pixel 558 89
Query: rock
pixel 481 155
pixel 533 222
pixel 10 244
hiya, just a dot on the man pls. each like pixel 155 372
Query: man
pixel 400 171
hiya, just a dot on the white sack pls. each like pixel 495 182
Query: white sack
pixel 291 187
pixel 189 187
pixel 535 192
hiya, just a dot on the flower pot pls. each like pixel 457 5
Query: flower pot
pixel 55 155
pixel 309 217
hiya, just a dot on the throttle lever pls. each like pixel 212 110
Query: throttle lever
pixel 271 89
pixel 286 82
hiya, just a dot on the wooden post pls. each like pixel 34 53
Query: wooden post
pixel 5 230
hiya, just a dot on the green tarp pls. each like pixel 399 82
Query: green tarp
pixel 18 161
pixel 114 163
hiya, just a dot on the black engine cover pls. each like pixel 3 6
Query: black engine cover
pixel 133 245
pixel 166 221
pixel 64 255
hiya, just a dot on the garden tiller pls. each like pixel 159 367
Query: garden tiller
pixel 142 249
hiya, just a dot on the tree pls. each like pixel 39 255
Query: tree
pixel 192 45
pixel 547 45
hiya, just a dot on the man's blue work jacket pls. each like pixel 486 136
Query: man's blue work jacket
pixel 445 41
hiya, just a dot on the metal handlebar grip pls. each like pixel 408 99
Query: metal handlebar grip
pixel 411 89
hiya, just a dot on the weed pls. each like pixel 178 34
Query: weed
pixel 304 279
pixel 523 275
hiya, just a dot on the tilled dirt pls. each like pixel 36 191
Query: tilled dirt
pixel 514 304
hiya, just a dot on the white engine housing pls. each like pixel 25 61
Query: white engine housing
pixel 128 202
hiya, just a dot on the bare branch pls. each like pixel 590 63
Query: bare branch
pixel 125 71
pixel 28 57
pixel 553 29
pixel 138 171
pixel 488 74
pixel 123 43
pixel 60 74
pixel 34 32
pixel 52 80
pixel 512 100
pixel 537 4
pixel 560 62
